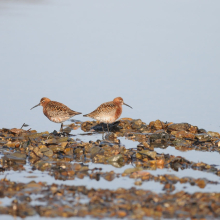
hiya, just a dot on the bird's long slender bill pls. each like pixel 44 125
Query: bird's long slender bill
pixel 127 105
pixel 35 106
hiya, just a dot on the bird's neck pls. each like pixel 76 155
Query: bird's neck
pixel 118 112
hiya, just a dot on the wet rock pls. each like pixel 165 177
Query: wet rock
pixel 76 166
pixel 51 141
pixel 111 136
pixel 136 124
pixel 87 125
pixel 139 156
pixel 217 143
pixel 157 125
pixel 193 129
pixel 201 183
pixel 117 164
pixel 150 154
pixel 56 148
pixel 78 151
pixel 67 130
pixel 63 144
pixel 35 135
pixel 201 130
pixel 15 144
pixel 177 163
pixel 17 156
pixel 36 153
pixel 213 134
pixel 3 143
pixel 138 183
pixel 46 152
pixel 178 127
pixel 121 214
pixel 68 151
pixel 181 143
pixel 203 137
pixel 42 165
pixel 162 136
pixel 95 150
pixel 64 140
pixel 160 162
pixel 183 134
pixel 33 184
pixel 17 131
pixel 159 144
pixel 169 187
pixel 24 209
pixel 131 170
pixel 140 147
pixel 109 176
pixel 117 158
pixel 42 146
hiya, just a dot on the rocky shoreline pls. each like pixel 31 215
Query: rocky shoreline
pixel 66 157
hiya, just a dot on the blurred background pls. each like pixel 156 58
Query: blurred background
pixel 161 57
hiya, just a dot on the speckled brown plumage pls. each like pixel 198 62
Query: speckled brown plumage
pixel 108 112
pixel 56 111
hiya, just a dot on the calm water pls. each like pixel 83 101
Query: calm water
pixel 162 57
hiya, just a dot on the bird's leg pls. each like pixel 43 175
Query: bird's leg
pixel 61 127
pixel 107 127
pixel 103 135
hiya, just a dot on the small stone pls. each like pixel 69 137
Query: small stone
pixel 201 183
pixel 17 155
pixel 95 150
pixel 68 151
pixel 138 183
pixel 117 158
pixel 203 137
pixel 46 152
pixel 76 166
pixel 158 125
pixel 151 154
pixel 178 127
pixel 131 170
pixel 121 214
pixel 136 124
pixel 183 134
pixel 213 134
pixel 56 148
pixel 160 162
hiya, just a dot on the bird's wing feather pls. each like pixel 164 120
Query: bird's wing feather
pixel 56 108
pixel 107 107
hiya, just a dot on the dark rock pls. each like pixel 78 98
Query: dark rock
pixel 163 136
pixel 178 127
pixel 95 150
pixel 203 137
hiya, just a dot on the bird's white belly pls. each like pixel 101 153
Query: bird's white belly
pixel 106 119
pixel 58 119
